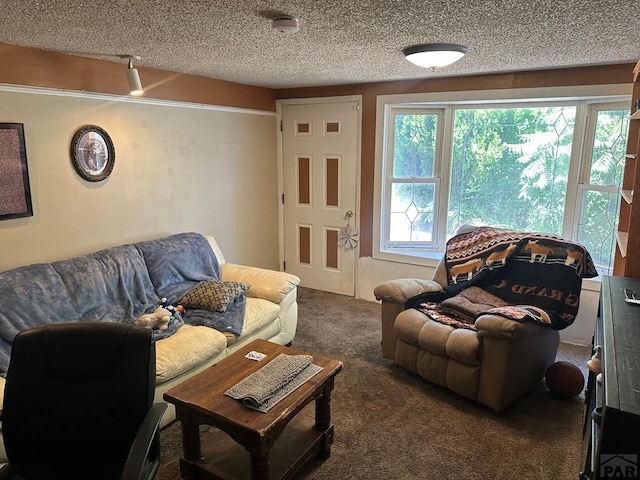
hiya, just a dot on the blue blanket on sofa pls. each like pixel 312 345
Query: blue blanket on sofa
pixel 110 286
pixel 178 264
pixel 117 284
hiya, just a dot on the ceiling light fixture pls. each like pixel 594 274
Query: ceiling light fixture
pixel 133 78
pixel 434 55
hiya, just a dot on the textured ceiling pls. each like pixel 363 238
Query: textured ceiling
pixel 339 42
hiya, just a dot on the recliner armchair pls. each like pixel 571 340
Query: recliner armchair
pixel 497 359
pixel 78 403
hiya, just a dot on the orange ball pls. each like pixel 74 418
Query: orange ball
pixel 564 379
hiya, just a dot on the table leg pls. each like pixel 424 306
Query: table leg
pixel 323 421
pixel 191 451
pixel 260 466
pixel 191 441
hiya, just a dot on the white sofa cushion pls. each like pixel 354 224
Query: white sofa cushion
pixel 257 314
pixel 188 347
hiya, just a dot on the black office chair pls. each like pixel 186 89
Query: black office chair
pixel 78 403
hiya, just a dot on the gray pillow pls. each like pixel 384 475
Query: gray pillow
pixel 213 295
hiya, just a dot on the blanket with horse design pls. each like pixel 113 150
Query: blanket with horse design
pixel 518 275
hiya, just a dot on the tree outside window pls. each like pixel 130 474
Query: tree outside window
pixel 510 167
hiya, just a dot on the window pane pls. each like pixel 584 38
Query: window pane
pixel 607 159
pixel 414 145
pixel 411 218
pixel 600 208
pixel 597 227
pixel 510 167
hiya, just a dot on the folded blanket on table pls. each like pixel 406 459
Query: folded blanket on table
pixel 264 388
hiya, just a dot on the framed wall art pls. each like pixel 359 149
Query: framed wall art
pixel 92 153
pixel 15 193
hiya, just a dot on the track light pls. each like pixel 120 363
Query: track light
pixel 434 55
pixel 133 78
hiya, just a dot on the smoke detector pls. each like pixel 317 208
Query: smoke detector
pixel 285 24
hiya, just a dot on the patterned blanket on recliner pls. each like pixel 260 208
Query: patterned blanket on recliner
pixel 527 276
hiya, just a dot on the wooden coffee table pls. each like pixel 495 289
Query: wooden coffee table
pixel 276 444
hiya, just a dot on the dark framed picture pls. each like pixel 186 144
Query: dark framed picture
pixel 15 193
pixel 92 153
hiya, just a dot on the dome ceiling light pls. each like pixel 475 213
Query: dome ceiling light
pixel 434 55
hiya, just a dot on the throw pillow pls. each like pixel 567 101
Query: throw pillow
pixel 214 295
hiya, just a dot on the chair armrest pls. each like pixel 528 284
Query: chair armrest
pixel 144 456
pixel 268 284
pixel 9 471
pixel 402 289
pixel 495 326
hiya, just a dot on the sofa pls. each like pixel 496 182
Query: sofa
pixel 486 325
pixel 120 283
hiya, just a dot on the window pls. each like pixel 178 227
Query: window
pixel 599 198
pixel 551 166
pixel 510 167
pixel 412 178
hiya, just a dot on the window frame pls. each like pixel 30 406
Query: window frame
pixel 584 174
pixel 583 97
pixel 583 185
pixel 435 180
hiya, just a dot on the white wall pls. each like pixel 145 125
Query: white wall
pixel 176 169
pixel 372 272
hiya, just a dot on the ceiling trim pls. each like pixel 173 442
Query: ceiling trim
pixel 126 99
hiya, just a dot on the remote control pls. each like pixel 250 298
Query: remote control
pixel 631 297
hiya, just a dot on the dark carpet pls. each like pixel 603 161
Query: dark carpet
pixel 390 424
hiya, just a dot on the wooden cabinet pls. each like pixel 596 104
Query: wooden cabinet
pixel 627 259
pixel 611 437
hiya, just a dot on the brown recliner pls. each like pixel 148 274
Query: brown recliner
pixel 495 364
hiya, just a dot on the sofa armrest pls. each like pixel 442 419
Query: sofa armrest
pixel 402 289
pixel 267 284
pixel 496 326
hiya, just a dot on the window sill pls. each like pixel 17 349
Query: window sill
pixel 427 259
pixel 592 284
